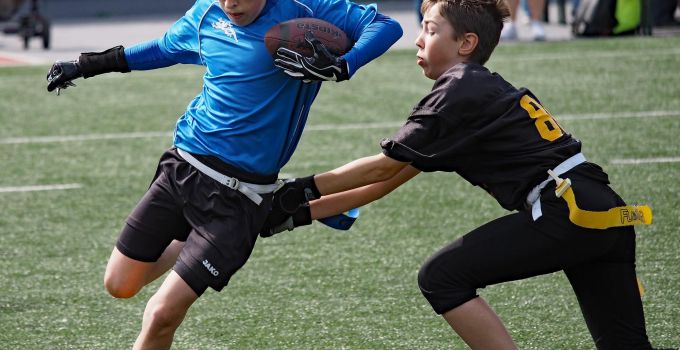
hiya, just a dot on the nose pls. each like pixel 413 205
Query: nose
pixel 231 3
pixel 419 39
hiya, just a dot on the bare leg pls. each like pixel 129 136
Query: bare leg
pixel 479 326
pixel 509 31
pixel 124 276
pixel 536 12
pixel 536 9
pixel 165 262
pixel 513 5
pixel 164 313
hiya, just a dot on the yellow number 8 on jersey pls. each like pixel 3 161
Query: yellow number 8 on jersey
pixel 546 125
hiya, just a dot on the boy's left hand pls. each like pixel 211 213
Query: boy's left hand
pixel 290 206
pixel 278 221
pixel 294 193
pixel 323 66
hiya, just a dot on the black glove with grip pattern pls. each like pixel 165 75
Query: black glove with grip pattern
pixel 323 66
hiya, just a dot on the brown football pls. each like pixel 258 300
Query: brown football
pixel 291 35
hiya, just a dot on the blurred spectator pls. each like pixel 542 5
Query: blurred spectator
pixel 535 12
pixel 8 8
pixel 663 12
pixel 419 14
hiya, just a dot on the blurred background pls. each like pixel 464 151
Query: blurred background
pixel 71 9
pixel 41 31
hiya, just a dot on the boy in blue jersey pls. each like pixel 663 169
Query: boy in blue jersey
pixel 212 191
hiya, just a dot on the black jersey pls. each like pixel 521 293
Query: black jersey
pixel 494 135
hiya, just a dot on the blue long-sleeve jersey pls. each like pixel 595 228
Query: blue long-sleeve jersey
pixel 249 113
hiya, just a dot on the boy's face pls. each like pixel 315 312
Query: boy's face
pixel 242 12
pixel 437 48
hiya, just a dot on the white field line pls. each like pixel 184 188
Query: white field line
pixel 320 127
pixel 40 188
pixel 634 161
pixel 331 127
pixel 619 115
pixel 89 137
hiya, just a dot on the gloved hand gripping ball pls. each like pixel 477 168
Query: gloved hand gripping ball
pixel 321 66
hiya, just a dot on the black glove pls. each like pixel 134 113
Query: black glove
pixel 62 74
pixel 290 206
pixel 278 221
pixel 89 64
pixel 295 193
pixel 323 66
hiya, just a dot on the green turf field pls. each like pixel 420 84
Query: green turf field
pixel 316 288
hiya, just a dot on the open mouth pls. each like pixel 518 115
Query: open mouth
pixel 235 15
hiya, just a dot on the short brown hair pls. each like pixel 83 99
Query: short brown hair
pixel 482 17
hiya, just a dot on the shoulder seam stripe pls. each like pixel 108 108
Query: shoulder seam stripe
pixel 311 13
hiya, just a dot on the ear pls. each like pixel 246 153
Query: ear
pixel 468 44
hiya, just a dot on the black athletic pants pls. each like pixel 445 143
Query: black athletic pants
pixel 600 264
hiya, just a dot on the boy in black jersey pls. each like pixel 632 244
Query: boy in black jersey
pixel 498 137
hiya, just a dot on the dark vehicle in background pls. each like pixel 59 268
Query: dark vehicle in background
pixel 28 25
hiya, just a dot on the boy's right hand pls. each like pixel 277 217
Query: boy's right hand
pixel 88 64
pixel 62 74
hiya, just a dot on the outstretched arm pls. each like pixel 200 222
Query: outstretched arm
pixel 143 56
pixel 361 172
pixel 89 64
pixel 340 202
pixel 296 193
pixel 178 45
pixel 349 186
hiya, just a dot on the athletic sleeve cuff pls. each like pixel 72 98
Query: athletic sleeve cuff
pixel 397 151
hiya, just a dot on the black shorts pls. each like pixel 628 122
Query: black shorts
pixel 600 264
pixel 220 225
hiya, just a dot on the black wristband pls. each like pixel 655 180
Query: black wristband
pixel 308 183
pixel 95 63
